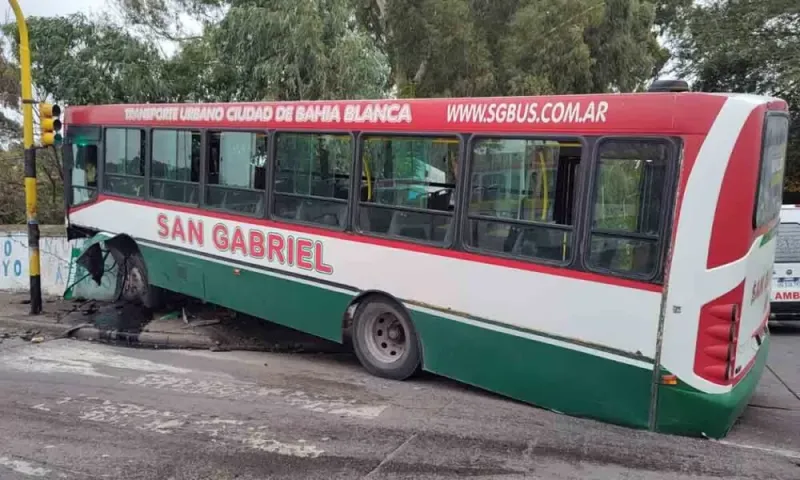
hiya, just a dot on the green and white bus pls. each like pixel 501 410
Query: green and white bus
pixel 606 256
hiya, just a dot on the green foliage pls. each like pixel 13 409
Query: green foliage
pixel 289 50
pixel 623 46
pixel 78 61
pixel 750 46
pixel 546 54
pixel 9 98
pixel 435 49
pixel 50 187
pixel 515 47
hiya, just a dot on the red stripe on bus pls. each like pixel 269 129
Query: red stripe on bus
pixel 732 232
pixel 460 255
pixel 639 113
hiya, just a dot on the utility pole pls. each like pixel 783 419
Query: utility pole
pixel 30 161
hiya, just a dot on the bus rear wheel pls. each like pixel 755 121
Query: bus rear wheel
pixel 384 339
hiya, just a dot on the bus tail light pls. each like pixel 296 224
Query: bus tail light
pixel 715 357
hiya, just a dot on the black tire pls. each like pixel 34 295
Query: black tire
pixel 378 356
pixel 133 284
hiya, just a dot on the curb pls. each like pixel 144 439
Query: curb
pixel 43 327
pixel 162 340
pixel 145 339
pixel 84 332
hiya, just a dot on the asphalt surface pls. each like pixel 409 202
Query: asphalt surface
pixel 78 410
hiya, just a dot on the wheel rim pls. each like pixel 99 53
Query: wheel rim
pixel 386 337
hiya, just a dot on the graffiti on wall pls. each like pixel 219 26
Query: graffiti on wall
pixel 57 266
pixel 12 266
pixel 54 262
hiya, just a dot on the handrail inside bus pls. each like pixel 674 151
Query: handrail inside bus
pixel 369 179
pixel 544 186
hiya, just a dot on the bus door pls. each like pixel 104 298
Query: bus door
pixel 81 153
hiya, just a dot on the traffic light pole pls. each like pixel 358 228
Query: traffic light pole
pixel 30 161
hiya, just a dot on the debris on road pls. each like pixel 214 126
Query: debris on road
pixel 184 323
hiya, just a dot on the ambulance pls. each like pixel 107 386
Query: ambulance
pixel 785 303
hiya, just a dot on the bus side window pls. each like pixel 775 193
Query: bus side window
pixel 410 185
pixel 522 198
pixel 235 174
pixel 312 178
pixel 124 161
pixel 175 166
pixel 629 195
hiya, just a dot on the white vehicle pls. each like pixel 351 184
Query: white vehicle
pixel 786 273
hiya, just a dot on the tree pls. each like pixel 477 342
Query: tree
pixel 290 50
pixel 749 46
pixel 514 47
pixel 451 47
pixel 78 61
pixel 73 61
pixel 9 98
pixel 260 49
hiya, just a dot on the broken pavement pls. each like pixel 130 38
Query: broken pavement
pixel 184 323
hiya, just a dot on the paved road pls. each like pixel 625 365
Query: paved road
pixel 78 410
pixel 773 418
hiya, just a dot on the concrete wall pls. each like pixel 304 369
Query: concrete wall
pixel 55 254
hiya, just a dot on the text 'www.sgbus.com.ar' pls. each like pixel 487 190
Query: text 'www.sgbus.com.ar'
pixel 528 112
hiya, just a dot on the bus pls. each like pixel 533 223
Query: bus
pixel 786 276
pixel 605 256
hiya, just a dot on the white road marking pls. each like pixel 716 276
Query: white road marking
pixel 300 449
pixel 100 361
pixel 23 467
pixel 247 390
pixel 78 358
pixel 775 451
pixel 231 431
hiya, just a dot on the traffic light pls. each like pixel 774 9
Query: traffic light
pixel 50 124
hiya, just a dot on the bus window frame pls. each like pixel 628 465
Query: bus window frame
pixel 272 160
pixel 147 149
pixel 355 216
pixel 767 115
pixel 666 216
pixel 578 202
pixel 200 183
pixel 204 159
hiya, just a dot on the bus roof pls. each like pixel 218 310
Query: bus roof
pixel 644 113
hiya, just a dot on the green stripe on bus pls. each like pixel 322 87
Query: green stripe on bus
pixel 501 360
pixel 550 376
pixel 769 235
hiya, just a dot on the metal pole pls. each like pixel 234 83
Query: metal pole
pixel 30 160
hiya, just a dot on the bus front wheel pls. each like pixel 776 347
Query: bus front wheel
pixel 384 339
pixel 132 282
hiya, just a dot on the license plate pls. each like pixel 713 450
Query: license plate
pixel 788 282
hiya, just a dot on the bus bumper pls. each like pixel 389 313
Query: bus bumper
pixel 784 311
pixel 683 410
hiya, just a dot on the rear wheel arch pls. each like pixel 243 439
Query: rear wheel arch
pixel 347 318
